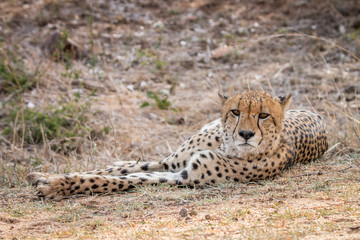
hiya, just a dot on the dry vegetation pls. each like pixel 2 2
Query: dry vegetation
pixel 85 83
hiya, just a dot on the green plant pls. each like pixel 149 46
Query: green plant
pixel 141 53
pixel 61 49
pixel 148 57
pixel 60 127
pixel 355 35
pixel 161 100
pixel 71 73
pixel 70 217
pixel 158 42
pixel 49 12
pixel 93 59
pixel 283 30
pixel 66 52
pixel 174 12
pixel 13 77
pixel 160 65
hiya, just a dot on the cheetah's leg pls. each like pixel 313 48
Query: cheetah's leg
pixel 203 168
pixel 207 139
pixel 124 169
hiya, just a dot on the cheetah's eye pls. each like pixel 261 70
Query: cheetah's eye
pixel 235 112
pixel 263 115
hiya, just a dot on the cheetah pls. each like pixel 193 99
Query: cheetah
pixel 253 140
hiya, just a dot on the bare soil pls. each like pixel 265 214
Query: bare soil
pixel 188 50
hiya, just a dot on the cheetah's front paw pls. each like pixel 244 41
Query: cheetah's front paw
pixel 52 187
pixel 34 176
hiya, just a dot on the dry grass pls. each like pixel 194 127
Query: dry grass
pixel 280 46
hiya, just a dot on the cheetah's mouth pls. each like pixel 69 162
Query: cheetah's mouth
pixel 245 145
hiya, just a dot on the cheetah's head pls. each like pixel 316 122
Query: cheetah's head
pixel 252 122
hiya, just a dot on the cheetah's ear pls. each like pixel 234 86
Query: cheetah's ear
pixel 222 98
pixel 284 100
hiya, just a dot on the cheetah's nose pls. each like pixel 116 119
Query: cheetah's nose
pixel 246 134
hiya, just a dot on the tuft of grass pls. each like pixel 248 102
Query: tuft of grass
pixel 148 57
pixel 160 65
pixel 48 13
pixel 142 55
pixel 354 35
pixel 174 11
pixel 60 51
pixel 13 77
pixel 161 100
pixel 60 127
pixel 65 218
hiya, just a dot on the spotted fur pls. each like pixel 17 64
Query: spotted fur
pixel 254 139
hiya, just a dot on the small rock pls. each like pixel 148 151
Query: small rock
pixel 143 84
pixel 158 24
pixel 356 23
pixel 193 213
pixel 30 105
pixel 207 217
pixel 194 39
pixel 8 220
pixel 139 34
pixel 224 33
pixel 101 213
pixel 180 121
pixel 355 228
pixel 130 87
pixel 183 212
pixel 350 89
pixel 342 29
pixel 221 51
pixel 182 43
pixel 153 116
pixel 242 30
pixel 176 121
pixel 77 90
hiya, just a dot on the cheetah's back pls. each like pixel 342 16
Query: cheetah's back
pixel 307 132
